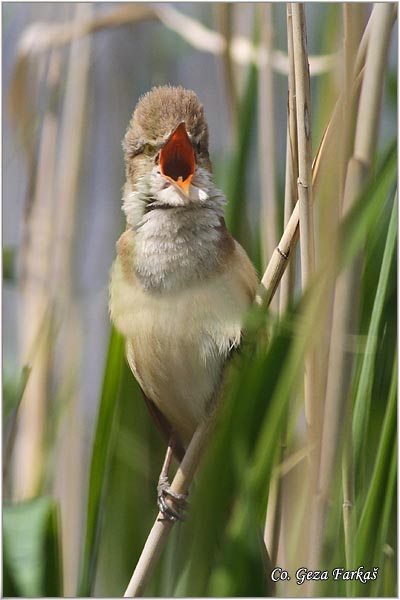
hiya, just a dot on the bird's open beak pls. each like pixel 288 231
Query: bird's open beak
pixel 177 159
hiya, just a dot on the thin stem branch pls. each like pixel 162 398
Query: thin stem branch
pixel 160 531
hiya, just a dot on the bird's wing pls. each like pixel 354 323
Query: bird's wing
pixel 165 428
pixel 245 272
pixel 162 423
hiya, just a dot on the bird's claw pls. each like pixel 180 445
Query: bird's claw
pixel 174 509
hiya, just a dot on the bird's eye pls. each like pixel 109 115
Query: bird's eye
pixel 149 150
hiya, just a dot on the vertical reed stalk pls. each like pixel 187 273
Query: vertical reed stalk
pixel 292 170
pixel 274 513
pixel 303 115
pixel 266 139
pixel 306 220
pixel 29 461
pixel 352 26
pixel 352 40
pixel 225 13
pixel 344 315
pixel 69 483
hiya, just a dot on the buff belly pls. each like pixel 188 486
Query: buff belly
pixel 177 343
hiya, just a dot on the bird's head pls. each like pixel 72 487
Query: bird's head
pixel 166 146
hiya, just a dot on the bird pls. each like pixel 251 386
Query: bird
pixel 180 285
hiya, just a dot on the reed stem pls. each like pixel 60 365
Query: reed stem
pixel 266 141
pixel 160 531
pixel 225 12
pixel 352 41
pixel 306 220
pixel 28 459
pixel 274 511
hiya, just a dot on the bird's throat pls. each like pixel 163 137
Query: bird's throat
pixel 179 248
pixel 179 241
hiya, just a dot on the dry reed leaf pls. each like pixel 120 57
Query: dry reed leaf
pixel 40 37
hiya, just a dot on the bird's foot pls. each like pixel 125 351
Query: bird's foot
pixel 171 504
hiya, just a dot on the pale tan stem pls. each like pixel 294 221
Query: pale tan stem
pixel 161 528
pixel 362 49
pixel 371 93
pixel 69 474
pixel 275 498
pixel 303 115
pixel 353 35
pixel 279 260
pixel 306 218
pixel 35 259
pixel 266 145
pixel 289 277
pixel 225 14
pixel 352 19
pixel 292 117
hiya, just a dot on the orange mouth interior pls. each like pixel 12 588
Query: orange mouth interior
pixel 177 159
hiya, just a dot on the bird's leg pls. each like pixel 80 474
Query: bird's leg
pixel 171 504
